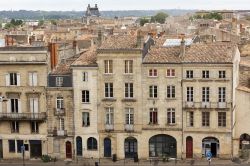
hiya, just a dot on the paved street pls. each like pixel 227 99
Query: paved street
pixel 91 162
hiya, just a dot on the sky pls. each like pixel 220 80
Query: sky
pixel 80 5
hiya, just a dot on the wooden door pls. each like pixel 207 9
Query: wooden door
pixel 107 147
pixel 68 150
pixel 189 147
pixel 1 149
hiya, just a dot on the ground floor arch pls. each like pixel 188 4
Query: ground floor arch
pixel 210 144
pixel 130 147
pixel 162 145
pixel 79 146
pixel 189 147
pixel 68 147
pixel 244 141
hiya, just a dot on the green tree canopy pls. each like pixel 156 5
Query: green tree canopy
pixel 144 21
pixel 41 23
pixel 159 17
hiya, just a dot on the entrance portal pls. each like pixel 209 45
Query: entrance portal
pixel 189 147
pixel 68 150
pixel 130 147
pixel 107 147
pixel 35 148
pixel 210 144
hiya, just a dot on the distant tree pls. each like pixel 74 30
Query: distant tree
pixel 53 22
pixel 144 21
pixel 41 23
pixel 159 17
pixel 213 15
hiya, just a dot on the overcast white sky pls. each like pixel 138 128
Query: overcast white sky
pixel 80 5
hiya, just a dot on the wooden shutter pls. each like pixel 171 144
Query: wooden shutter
pixel 35 79
pixel 18 79
pixel 35 105
pixel 7 79
pixel 19 106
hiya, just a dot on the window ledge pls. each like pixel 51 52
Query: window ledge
pixel 128 100
pixel 171 77
pixel 153 124
pixel 170 98
pixel 171 124
pixel 152 76
pixel 86 103
pixel 153 98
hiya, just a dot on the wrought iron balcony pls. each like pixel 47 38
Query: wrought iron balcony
pixel 55 132
pixel 207 105
pixel 59 112
pixel 23 116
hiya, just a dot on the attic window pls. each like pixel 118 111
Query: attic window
pixel 59 81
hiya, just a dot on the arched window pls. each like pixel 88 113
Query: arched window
pixel 92 143
pixel 78 146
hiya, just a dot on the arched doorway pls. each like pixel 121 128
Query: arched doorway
pixel 78 146
pixel 211 144
pixel 189 147
pixel 130 147
pixel 107 147
pixel 68 150
pixel 162 145
pixel 244 141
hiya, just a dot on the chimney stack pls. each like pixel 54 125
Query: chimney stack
pixel 182 46
pixel 99 37
pixel 95 5
pixel 140 39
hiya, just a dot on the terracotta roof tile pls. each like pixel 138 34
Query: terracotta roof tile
pixel 119 42
pixel 87 58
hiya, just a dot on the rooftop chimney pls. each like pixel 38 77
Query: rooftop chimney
pixel 182 46
pixel 140 39
pixel 95 5
pixel 99 37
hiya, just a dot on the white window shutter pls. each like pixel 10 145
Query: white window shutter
pixel 8 106
pixel 7 79
pixel 36 105
pixel 35 79
pixel 30 79
pixel 1 106
pixel 18 79
pixel 31 105
pixel 19 106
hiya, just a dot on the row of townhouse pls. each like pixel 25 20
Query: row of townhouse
pixel 127 97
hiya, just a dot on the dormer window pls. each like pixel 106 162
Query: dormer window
pixel 59 81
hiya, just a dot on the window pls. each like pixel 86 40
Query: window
pixel 129 90
pixel 153 116
pixel 170 72
pixel 152 73
pixel 19 146
pixel 222 94
pixel 129 115
pixel 190 119
pixel 222 119
pixel 92 143
pixel 14 105
pixel 108 66
pixel 205 74
pixel 128 66
pixel 190 94
pixel 85 119
pixel 109 116
pixel 59 81
pixel 34 127
pixel 153 91
pixel 56 146
pixel 85 96
pixel 170 91
pixel 222 74
pixel 34 105
pixel 15 127
pixel 12 146
pixel 205 94
pixel 189 74
pixel 33 78
pixel 205 119
pixel 84 76
pixel 59 103
pixel 13 78
pixel 61 124
pixel 170 116
pixel 109 90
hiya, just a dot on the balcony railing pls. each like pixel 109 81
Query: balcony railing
pixel 59 112
pixel 23 116
pixel 109 127
pixel 220 105
pixel 56 132
pixel 129 127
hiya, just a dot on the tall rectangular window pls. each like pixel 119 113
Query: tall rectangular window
pixel 153 117
pixel 222 119
pixel 59 103
pixel 170 73
pixel 205 119
pixel 34 105
pixel 205 73
pixel 61 124
pixel 128 66
pixel 34 127
pixel 189 74
pixel 222 94
pixel 13 78
pixel 129 115
pixel 190 94
pixel 153 91
pixel 109 118
pixel 14 105
pixel 59 81
pixel 85 76
pixel 108 64
pixel 129 90
pixel 12 146
pixel 33 78
pixel 152 73
pixel 85 96
pixel 85 119
pixel 170 116
pixel 190 119
pixel 205 94
pixel 170 91
pixel 222 74
pixel 109 90
pixel 15 127
pixel 19 146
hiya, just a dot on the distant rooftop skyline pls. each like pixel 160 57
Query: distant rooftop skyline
pixel 80 5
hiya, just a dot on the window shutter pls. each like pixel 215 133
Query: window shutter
pixel 36 105
pixel 30 79
pixel 35 79
pixel 19 106
pixel 18 79
pixel 7 79
pixel 8 106
pixel 31 105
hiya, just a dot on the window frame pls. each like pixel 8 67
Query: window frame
pixel 171 118
pixel 222 73
pixel 109 116
pixel 221 94
pixel 59 102
pixel 171 92
pixel 153 91
pixel 170 72
pixel 12 148
pixel 222 119
pixel 85 96
pixel 92 143
pixel 108 66
pixel 85 116
pixel 205 94
pixel 205 119
pixel 153 116
pixel 205 74
pixel 189 74
pixel 129 90
pixel 59 81
pixel 129 116
pixel 13 79
pixel 85 76
pixel 190 94
pixel 108 90
pixel 152 73
pixel 128 66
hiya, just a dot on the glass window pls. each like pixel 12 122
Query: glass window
pixel 190 94
pixel 170 91
pixel 129 90
pixel 12 146
pixel 85 76
pixel 128 66
pixel 129 115
pixel 19 146
pixel 222 74
pixel 59 81
pixel 109 90
pixel 170 116
pixel 59 103
pixel 190 119
pixel 152 73
pixel 109 116
pixel 92 143
pixel 13 78
pixel 108 66
pixel 85 96
pixel 205 74
pixel 85 119
pixel 205 119
pixel 189 74
pixel 205 94
pixel 153 91
pixel 170 72
pixel 15 127
pixel 222 94
pixel 153 116
pixel 34 127
pixel 222 119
